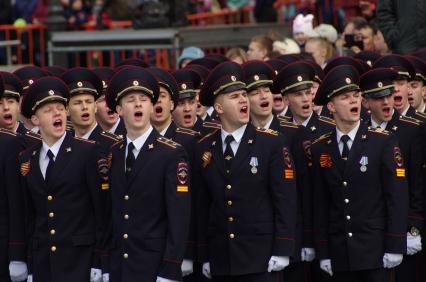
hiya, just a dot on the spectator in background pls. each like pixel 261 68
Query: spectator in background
pixel 286 46
pixel 6 12
pixel 368 9
pixel 237 55
pixel 40 12
pixel 365 33
pixel 237 4
pixel 264 11
pixel 380 45
pixel 403 23
pixel 302 24
pixel 260 48
pixel 76 12
pixel 320 49
pixel 24 9
pixel 189 54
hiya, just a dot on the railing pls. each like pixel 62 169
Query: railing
pixel 224 16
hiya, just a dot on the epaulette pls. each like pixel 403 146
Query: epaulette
pixel 284 118
pixel 327 120
pixel 8 132
pixel 322 137
pixel 210 124
pixel 32 135
pixel 207 136
pixel 410 120
pixel 378 130
pixel 110 136
pixel 285 123
pixel 420 114
pixel 187 131
pixel 168 142
pixel 85 140
pixel 267 131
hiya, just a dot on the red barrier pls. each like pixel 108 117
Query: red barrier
pixel 32 49
pixel 224 16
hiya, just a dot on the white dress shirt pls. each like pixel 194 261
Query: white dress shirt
pixel 404 113
pixel 138 142
pixel 44 159
pixel 374 124
pixel 351 135
pixel 237 134
pixel 87 135
pixel 163 132
pixel 268 125
pixel 114 127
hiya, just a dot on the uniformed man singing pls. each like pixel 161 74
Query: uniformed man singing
pixel 245 182
pixel 360 188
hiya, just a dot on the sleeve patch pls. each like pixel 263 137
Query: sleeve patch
pixel 325 161
pixel 103 169
pixel 25 168
pixel 398 157
pixel 288 167
pixel 182 176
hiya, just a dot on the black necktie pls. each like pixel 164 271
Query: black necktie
pixel 345 151
pixel 49 166
pixel 130 160
pixel 229 154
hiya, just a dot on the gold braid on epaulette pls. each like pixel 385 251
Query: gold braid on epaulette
pixel 288 124
pixel 8 132
pixel 410 120
pixel 84 140
pixel 322 137
pixel 378 130
pixel 209 124
pixel 111 136
pixel 33 135
pixel 187 131
pixel 207 136
pixel 284 118
pixel 327 120
pixel 168 142
pixel 423 115
pixel 267 131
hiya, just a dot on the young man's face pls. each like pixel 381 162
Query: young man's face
pixel 105 115
pixel 380 108
pixel 260 102
pixel 256 52
pixel 185 113
pixel 81 110
pixel 401 95
pixel 346 107
pixel 163 108
pixel 51 118
pixel 136 109
pixel 416 92
pixel 300 103
pixel 233 108
pixel 9 112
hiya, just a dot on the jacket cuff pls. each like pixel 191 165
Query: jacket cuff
pixel 396 243
pixel 283 246
pixel 171 269
pixel 17 251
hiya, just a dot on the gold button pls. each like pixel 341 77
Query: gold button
pixel 53 248
pixel 126 197
pixel 230 219
pixel 348 217
pixel 125 256
pixel 350 234
pixel 126 216
pixel 347 201
pixel 49 198
pixel 228 187
pixel 51 214
pixel 52 232
pixel 125 236
pixel 232 236
pixel 345 183
pixel 229 203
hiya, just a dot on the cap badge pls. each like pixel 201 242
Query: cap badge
pixel 369 63
pixel 348 80
pixel 79 84
pixel 380 84
pixel 276 72
pixel 135 83
pixel 233 78
pixel 183 86
pixel 256 77
pixel 51 92
pixel 299 78
pixel 30 81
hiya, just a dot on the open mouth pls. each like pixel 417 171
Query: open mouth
pixel 306 107
pixel 138 114
pixel 244 109
pixel 158 110
pixel 264 105
pixel 387 110
pixel 278 99
pixel 397 99
pixel 410 99
pixel 7 117
pixel 110 112
pixel 354 110
pixel 57 124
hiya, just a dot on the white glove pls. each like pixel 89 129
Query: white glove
pixel 392 260
pixel 187 267
pixel 414 244
pixel 95 275
pixel 278 263
pixel 161 279
pixel 18 271
pixel 105 277
pixel 308 254
pixel 325 265
pixel 30 278
pixel 206 270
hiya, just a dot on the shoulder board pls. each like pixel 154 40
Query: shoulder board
pixel 168 142
pixel 281 117
pixel 111 136
pixel 32 135
pixel 121 141
pixel 84 140
pixel 378 130
pixel 420 114
pixel 322 137
pixel 8 132
pixel 410 120
pixel 327 120
pixel 187 131
pixel 267 131
pixel 207 136
pixel 210 124
pixel 286 123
